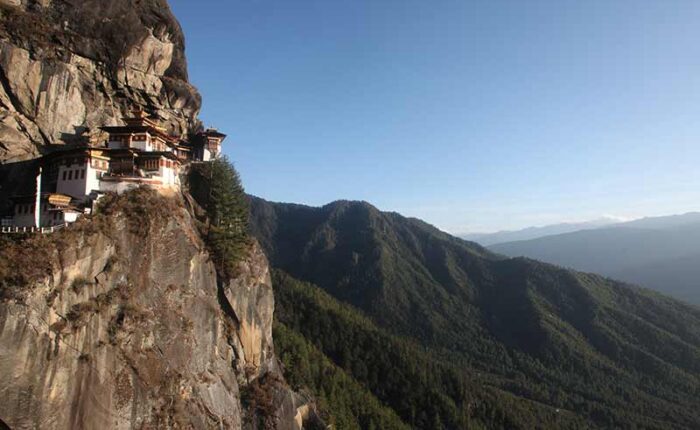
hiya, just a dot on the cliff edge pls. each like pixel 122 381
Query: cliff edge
pixel 120 321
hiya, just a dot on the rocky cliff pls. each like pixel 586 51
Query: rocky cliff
pixel 120 321
pixel 67 66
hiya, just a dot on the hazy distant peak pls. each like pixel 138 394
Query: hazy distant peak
pixel 657 252
pixel 528 233
pixel 664 222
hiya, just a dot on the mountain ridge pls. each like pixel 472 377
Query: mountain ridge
pixel 488 239
pixel 628 252
pixel 536 232
pixel 576 341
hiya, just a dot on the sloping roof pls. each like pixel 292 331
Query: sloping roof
pixel 155 154
pixel 125 129
pixel 73 151
pixel 60 200
pixel 53 198
pixel 213 132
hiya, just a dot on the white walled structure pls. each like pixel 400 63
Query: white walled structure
pixel 77 173
pixel 169 174
pixel 142 142
pixel 49 215
pixel 208 144
pixel 23 215
pixel 139 153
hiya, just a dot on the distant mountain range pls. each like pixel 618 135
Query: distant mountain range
pixel 488 239
pixel 387 310
pixel 662 253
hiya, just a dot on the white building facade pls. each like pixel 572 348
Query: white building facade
pixel 139 153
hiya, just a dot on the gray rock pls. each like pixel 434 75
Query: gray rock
pixel 131 331
pixel 66 66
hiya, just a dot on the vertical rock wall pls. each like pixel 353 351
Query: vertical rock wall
pixel 131 330
pixel 68 65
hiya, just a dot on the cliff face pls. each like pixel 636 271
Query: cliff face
pixel 124 324
pixel 120 321
pixel 69 65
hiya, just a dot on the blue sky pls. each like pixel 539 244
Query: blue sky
pixel 472 115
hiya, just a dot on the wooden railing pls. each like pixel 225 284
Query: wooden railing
pixel 30 230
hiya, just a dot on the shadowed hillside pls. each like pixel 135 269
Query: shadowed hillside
pixel 612 354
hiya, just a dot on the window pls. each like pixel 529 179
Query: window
pixel 82 174
pixel 70 175
pixel 64 175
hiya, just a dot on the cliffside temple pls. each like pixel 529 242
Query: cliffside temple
pixel 71 178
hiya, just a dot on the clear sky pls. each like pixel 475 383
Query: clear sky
pixel 472 115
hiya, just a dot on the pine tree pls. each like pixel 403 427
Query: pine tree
pixel 217 187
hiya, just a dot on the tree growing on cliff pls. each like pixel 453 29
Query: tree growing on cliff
pixel 216 186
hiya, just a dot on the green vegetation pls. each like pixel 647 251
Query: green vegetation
pixel 343 401
pixel 517 337
pixel 216 187
pixel 421 388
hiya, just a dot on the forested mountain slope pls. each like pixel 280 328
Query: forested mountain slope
pixel 609 353
pixel 423 389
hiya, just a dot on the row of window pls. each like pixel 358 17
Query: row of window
pixel 151 164
pixel 25 209
pixel 29 208
pixel 158 143
pixel 155 164
pixel 100 164
pixel 70 161
pixel 69 175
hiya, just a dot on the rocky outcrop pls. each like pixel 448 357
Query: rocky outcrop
pixel 120 321
pixel 70 66
pixel 131 328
